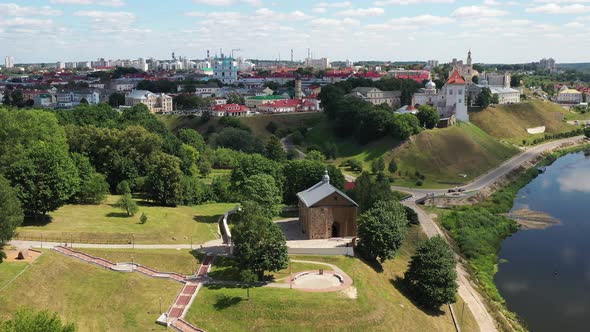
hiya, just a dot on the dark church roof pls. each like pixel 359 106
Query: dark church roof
pixel 320 191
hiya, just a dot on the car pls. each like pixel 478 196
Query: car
pixel 461 190
pixel 452 190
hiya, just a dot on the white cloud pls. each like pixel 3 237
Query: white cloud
pixel 553 8
pixel 491 3
pixel 104 16
pixel 422 20
pixel 362 12
pixel 335 22
pixel 27 22
pixel 269 15
pixel 411 2
pixel 341 4
pixel 227 2
pixel 562 1
pixel 574 25
pixel 109 3
pixel 478 11
pixel 12 9
pixel 319 10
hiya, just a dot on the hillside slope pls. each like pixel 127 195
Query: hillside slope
pixel 257 124
pixel 509 122
pixel 444 156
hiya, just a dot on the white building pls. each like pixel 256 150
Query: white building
pixel 431 64
pixel 449 101
pixel 67 99
pixel 206 90
pixel 321 64
pixel 156 102
pixel 569 96
pixel 9 62
pixel 225 69
pixel 376 96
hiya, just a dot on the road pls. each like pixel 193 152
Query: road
pixel 471 297
pixel 495 174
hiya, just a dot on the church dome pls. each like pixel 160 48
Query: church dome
pixel 430 85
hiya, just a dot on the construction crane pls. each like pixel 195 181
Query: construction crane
pixel 235 50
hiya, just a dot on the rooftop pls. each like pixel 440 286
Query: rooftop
pixel 319 191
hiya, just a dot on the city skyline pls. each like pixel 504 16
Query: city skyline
pixel 397 30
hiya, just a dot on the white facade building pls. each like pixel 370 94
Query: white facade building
pixel 569 96
pixel 323 63
pixel 9 62
pixel 156 102
pixel 225 69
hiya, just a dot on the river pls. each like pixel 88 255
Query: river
pixel 545 274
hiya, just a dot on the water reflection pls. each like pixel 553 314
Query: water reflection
pixel 576 180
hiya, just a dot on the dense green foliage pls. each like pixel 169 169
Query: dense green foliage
pixel 381 230
pixel 369 191
pixel 163 182
pixel 428 116
pixel 302 174
pixel 32 321
pixel 274 150
pixel 431 274
pixel 262 190
pixel 11 213
pixel 259 243
pixel 127 204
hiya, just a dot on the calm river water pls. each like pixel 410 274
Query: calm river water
pixel 546 276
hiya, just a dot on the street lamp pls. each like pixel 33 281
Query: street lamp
pixel 132 264
pixel 160 304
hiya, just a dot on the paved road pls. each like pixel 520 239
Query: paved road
pixel 494 174
pixel 466 291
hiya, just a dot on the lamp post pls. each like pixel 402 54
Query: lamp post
pixel 132 264
pixel 160 304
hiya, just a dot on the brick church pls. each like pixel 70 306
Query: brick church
pixel 326 212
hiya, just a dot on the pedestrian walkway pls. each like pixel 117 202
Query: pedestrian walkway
pixel 174 317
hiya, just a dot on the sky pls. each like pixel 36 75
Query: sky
pixel 496 31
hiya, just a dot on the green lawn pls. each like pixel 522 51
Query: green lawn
pixel 380 305
pixel 509 122
pixel 224 269
pixel 445 155
pixel 9 270
pixel 92 297
pixel 104 223
pixel 179 261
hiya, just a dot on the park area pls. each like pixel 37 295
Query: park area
pixel 94 298
pixel 104 223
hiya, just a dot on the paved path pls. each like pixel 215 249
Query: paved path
pixel 466 290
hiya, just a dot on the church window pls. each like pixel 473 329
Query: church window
pixel 450 91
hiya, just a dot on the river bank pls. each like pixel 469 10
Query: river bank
pixel 479 229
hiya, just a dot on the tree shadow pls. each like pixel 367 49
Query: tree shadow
pixel 402 286
pixel 40 221
pixel 207 219
pixel 225 301
pixel 117 215
pixel 375 265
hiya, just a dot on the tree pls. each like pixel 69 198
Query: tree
pixel 248 277
pixel 252 164
pixel 32 321
pixel 382 230
pixel 431 273
pixel 143 219
pixel 428 116
pixel 274 150
pixel 495 99
pixel 83 101
pixel 163 179
pixel 262 190
pixel 116 99
pixel 378 165
pixel 484 98
pixel 192 138
pixel 405 125
pixel 302 174
pixel 11 213
pixel 316 155
pixel 392 167
pixel 259 244
pixel 475 79
pixel 93 190
pixel 587 132
pixel 367 191
pixel 45 178
pixel 127 204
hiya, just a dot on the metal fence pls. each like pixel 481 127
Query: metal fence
pixel 94 238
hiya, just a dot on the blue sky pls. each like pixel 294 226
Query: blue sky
pixel 504 31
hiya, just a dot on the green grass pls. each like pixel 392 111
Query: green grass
pixel 443 155
pixel 257 123
pixel 380 306
pixel 105 223
pixel 509 122
pixel 349 148
pixel 92 297
pixel 165 260
pixel 9 270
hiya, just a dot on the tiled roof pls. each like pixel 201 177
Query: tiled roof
pixel 320 191
pixel 455 78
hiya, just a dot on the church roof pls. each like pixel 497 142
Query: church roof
pixel 320 191
pixel 456 78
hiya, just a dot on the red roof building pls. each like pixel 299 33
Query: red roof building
pixel 456 78
pixel 230 110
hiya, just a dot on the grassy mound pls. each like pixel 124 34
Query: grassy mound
pixel 509 122
pixel 445 156
pixel 257 124
pixel 94 298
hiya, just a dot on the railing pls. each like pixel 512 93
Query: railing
pixel 115 238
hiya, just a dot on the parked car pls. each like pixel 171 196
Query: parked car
pixel 452 190
pixel 461 190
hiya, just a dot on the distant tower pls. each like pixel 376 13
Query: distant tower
pixel 507 79
pixel 291 55
pixel 173 56
pixel 469 58
pixel 208 54
pixel 298 88
pixel 455 96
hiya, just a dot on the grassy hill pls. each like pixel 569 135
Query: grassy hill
pixel 257 124
pixel 444 155
pixel 509 122
pixel 92 297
